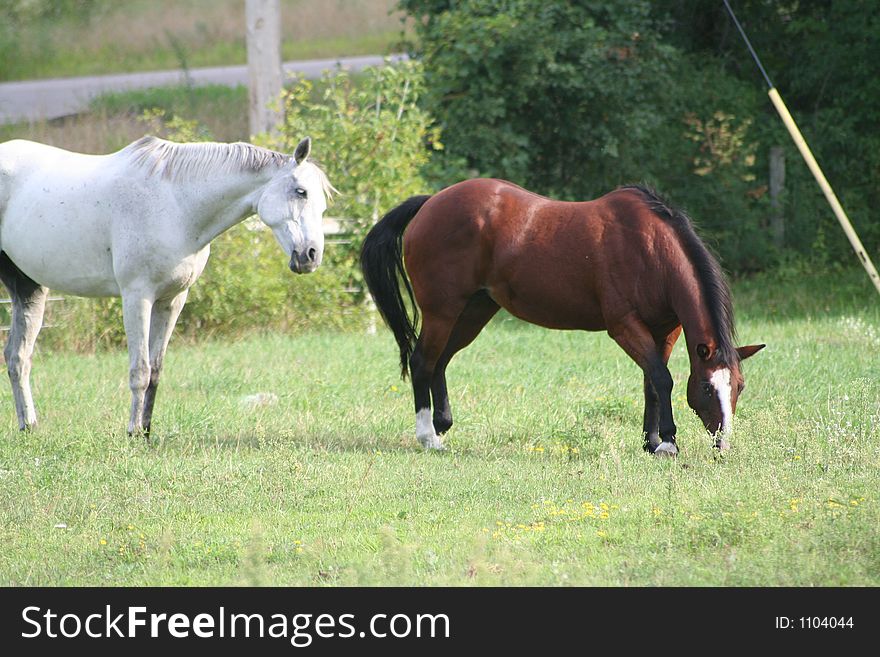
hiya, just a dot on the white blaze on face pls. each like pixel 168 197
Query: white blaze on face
pixel 720 380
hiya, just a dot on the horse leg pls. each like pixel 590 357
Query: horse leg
pixel 28 306
pixel 162 322
pixel 651 425
pixel 136 310
pixel 636 340
pixel 479 310
pixel 429 347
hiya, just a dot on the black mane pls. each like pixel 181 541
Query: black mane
pixel 712 281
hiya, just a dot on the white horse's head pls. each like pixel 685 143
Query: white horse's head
pixel 293 205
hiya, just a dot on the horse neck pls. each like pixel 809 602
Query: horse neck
pixel 692 310
pixel 215 203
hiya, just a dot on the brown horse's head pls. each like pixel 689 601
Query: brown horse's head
pixel 714 387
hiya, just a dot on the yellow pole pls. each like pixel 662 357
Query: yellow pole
pixel 826 188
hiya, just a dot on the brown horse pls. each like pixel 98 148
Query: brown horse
pixel 626 263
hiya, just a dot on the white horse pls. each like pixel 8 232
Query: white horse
pixel 138 224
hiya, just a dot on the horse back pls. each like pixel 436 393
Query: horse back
pixel 569 265
pixel 56 210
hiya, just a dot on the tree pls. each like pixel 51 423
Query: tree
pixel 263 19
pixel 558 97
pixel 572 99
pixel 822 57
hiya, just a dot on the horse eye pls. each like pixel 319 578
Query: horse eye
pixel 301 192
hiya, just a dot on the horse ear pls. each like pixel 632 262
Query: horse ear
pixel 703 351
pixel 301 153
pixel 751 350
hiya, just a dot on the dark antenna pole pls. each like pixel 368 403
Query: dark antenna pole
pixel 748 44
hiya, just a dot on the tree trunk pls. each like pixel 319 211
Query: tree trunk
pixel 777 185
pixel 263 19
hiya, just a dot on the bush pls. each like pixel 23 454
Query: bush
pixel 574 99
pixel 562 98
pixel 820 56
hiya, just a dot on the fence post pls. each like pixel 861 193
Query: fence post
pixel 777 185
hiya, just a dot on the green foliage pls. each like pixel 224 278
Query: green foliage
pixel 371 138
pixel 248 286
pixel 173 127
pixel 708 159
pixel 558 97
pixel 820 56
pixel 573 99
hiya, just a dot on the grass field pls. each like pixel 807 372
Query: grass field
pixel 116 120
pixel 144 35
pixel 544 481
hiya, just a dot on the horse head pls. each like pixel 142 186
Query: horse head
pixel 293 204
pixel 714 386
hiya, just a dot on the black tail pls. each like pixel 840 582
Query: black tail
pixel 382 265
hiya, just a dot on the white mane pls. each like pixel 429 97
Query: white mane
pixel 186 161
pixel 175 161
pixel 326 186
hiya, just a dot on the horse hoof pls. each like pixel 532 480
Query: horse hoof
pixel 666 449
pixel 652 442
pixel 442 425
pixel 722 445
pixel 431 442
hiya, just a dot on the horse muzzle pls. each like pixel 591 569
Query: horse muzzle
pixel 305 261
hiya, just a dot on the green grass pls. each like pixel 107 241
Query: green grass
pixel 114 59
pixel 115 120
pixel 220 110
pixel 144 35
pixel 544 481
